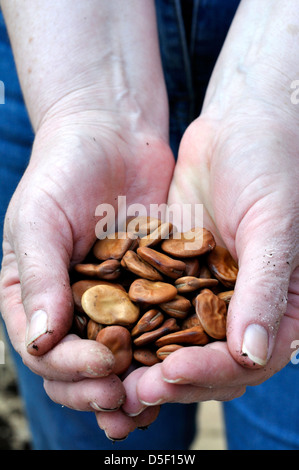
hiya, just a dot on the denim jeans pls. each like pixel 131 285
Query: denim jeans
pixel 191 35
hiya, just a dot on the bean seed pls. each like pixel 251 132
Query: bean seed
pixel 150 296
pixel 109 306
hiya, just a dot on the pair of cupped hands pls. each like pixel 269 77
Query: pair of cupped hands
pixel 241 163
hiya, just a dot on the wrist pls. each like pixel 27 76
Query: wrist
pixel 105 57
pixel 258 63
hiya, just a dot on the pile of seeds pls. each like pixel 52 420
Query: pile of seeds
pixel 149 291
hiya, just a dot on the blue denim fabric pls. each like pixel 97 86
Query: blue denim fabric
pixel 266 416
pixel 188 59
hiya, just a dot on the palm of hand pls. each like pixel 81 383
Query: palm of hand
pixel 248 189
pixel 51 221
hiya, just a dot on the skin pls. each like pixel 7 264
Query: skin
pixel 239 159
pixel 95 139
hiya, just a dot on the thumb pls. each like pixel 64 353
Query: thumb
pixel 260 296
pixel 42 251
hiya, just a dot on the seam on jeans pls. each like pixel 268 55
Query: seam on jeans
pixel 186 58
pixel 195 13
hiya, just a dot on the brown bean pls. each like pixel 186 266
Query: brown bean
pixel 79 287
pixel 93 328
pixel 194 336
pixel 226 296
pixel 165 264
pixel 194 242
pixel 178 307
pixel 168 326
pixel 109 306
pixel 192 267
pixel 79 324
pixel 149 321
pixel 212 314
pixel 153 238
pixel 145 356
pixel 223 266
pixel 150 292
pixel 115 246
pixel 109 269
pixel 138 266
pixel 204 272
pixel 190 321
pixel 142 225
pixel 188 284
pixel 164 351
pixel 118 340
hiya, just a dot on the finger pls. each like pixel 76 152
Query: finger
pixel 147 417
pixel 132 406
pixel 261 292
pixel 208 367
pixel 39 251
pixel 166 392
pixel 104 394
pixel 72 360
pixel 116 425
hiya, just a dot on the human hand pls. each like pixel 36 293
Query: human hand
pixel 249 191
pixel 95 95
pixel 50 226
pixel 239 159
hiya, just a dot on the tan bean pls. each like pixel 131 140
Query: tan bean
pixel 164 351
pixel 194 242
pixel 153 238
pixel 145 356
pixel 165 264
pixel 170 325
pixel 79 287
pixel 190 321
pixel 223 266
pixel 93 328
pixel 118 340
pixel 150 320
pixel 226 296
pixel 109 306
pixel 188 284
pixel 115 246
pixel 212 312
pixel 79 324
pixel 204 272
pixel 194 336
pixel 150 292
pixel 178 307
pixel 142 225
pixel 138 266
pixel 109 269
pixel 192 267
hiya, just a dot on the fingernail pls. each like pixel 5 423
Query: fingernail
pixel 37 327
pixel 146 403
pixel 136 413
pixel 173 381
pixel 96 407
pixel 255 344
pixel 116 439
